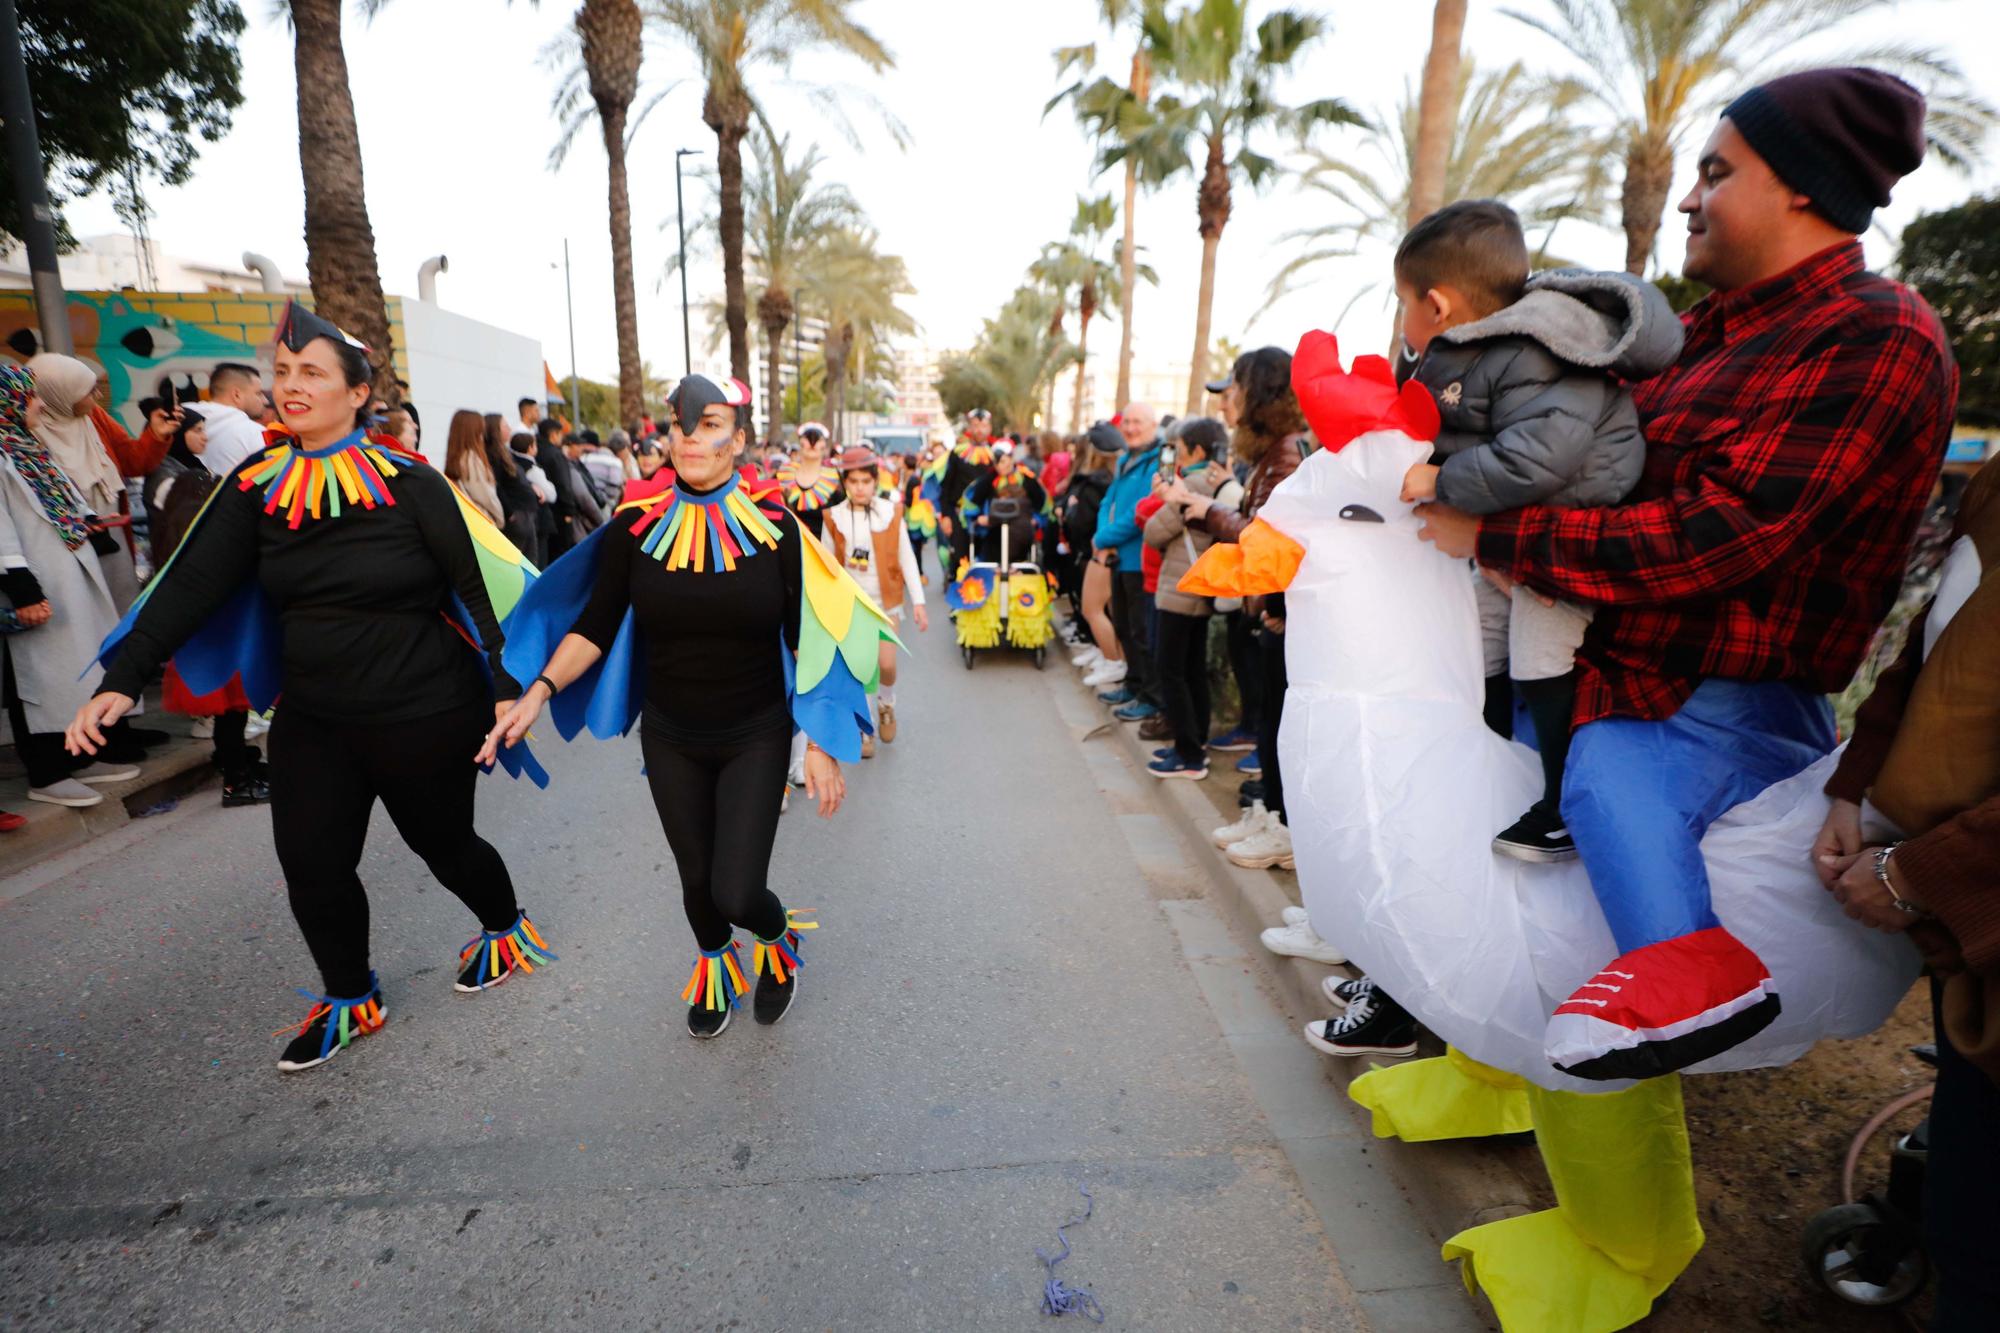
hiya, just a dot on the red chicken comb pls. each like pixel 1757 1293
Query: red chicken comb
pixel 1341 405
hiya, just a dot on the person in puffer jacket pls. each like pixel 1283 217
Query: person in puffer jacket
pixel 1530 376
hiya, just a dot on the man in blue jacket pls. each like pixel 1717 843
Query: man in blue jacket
pixel 1119 544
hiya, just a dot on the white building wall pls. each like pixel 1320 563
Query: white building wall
pixel 457 362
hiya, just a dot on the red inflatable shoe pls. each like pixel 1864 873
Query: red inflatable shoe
pixel 1663 1007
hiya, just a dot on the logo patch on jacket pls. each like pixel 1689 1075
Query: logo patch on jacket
pixel 1453 394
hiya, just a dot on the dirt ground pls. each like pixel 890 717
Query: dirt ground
pixel 1768 1147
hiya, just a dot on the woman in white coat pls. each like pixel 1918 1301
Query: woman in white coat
pixel 50 575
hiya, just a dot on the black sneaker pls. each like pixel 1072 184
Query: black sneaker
pixel 245 788
pixel 1374 1024
pixel 1344 991
pixel 773 998
pixel 1249 792
pixel 704 1022
pixel 1540 835
pixel 492 956
pixel 330 1026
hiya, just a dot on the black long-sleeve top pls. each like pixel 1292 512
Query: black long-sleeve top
pixel 361 602
pixel 711 640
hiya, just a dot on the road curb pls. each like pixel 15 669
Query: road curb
pixel 1452 1185
pixel 171 771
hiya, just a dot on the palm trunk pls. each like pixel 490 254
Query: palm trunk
pixel 631 384
pixel 1649 178
pixel 340 245
pixel 1434 111
pixel 839 341
pixel 1128 259
pixel 730 123
pixel 1082 364
pixel 1213 206
pixel 774 312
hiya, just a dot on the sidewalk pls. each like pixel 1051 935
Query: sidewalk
pixel 169 773
pixel 1450 1185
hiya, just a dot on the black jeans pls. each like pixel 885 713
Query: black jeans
pixel 1183 666
pixel 325 779
pixel 1243 664
pixel 1271 668
pixel 719 807
pixel 1128 617
pixel 1962 1193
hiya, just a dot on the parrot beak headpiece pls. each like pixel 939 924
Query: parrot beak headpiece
pixel 698 392
pixel 299 326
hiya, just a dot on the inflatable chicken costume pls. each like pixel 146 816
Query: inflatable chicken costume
pixel 1394 786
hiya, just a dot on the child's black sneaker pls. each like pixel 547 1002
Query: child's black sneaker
pixel 715 989
pixel 1540 835
pixel 1374 1024
pixel 330 1026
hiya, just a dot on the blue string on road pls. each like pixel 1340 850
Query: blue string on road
pixel 1058 1297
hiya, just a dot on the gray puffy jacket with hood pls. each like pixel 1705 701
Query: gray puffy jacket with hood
pixel 1532 397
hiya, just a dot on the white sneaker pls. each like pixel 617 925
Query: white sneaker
pixel 1301 941
pixel 68 792
pixel 1105 673
pixel 100 772
pixel 1295 916
pixel 202 729
pixel 254 726
pixel 1252 822
pixel 797 776
pixel 1086 657
pixel 1270 846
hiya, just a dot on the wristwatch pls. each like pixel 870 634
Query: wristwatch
pixel 1904 905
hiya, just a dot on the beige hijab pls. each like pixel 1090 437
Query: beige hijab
pixel 65 385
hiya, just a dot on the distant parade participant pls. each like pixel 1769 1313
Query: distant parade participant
pixel 697 612
pixel 921 491
pixel 969 461
pixel 1008 480
pixel 874 546
pixel 805 483
pixel 345 571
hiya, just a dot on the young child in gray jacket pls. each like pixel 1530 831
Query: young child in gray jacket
pixel 1529 374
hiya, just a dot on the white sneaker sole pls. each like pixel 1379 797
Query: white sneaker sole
pixel 727 1013
pixel 1329 955
pixel 500 980
pixel 1196 774
pixel 1535 855
pixel 1265 861
pixel 287 1067
pixel 106 779
pixel 1325 1047
pixel 73 802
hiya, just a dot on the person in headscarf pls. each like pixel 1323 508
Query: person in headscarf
pixel 67 388
pixel 51 576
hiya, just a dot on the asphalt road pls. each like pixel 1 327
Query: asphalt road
pixel 997 1010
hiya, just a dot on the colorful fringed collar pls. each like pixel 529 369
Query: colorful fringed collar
pixel 979 455
pixel 683 530
pixel 810 497
pixel 320 483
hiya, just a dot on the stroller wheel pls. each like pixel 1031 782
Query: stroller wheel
pixel 967 650
pixel 1041 657
pixel 1854 1252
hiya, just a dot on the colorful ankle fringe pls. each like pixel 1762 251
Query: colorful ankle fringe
pixel 785 954
pixel 520 945
pixel 717 980
pixel 345 1019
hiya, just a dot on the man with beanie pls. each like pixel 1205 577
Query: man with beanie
pixel 1790 454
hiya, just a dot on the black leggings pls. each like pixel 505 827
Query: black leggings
pixel 1128 618
pixel 719 807
pixel 1243 663
pixel 325 778
pixel 1271 649
pixel 1182 662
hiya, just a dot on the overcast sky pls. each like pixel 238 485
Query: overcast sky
pixel 453 105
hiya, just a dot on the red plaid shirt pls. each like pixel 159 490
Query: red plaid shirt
pixel 1789 456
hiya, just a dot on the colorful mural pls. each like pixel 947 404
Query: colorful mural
pixel 140 337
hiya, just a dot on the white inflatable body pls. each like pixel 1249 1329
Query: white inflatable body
pixel 1394 788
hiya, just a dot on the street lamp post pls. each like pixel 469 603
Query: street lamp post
pixel 575 402
pixel 680 221
pixel 31 194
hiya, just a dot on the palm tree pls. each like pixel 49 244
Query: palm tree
pixel 787 219
pixel 340 244
pixel 1434 116
pixel 1074 263
pixel 608 36
pixel 730 39
pixel 1513 137
pixel 1660 66
pixel 1225 75
pixel 1019 353
pixel 857 287
pixel 1105 109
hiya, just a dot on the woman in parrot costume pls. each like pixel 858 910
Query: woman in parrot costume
pixel 1398 778
pixel 347 574
pixel 705 612
pixel 806 484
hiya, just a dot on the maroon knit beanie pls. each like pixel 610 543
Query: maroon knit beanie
pixel 1841 137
